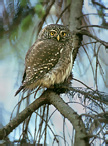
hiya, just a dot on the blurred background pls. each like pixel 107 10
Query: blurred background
pixel 21 21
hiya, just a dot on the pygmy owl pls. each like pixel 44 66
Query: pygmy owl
pixel 49 60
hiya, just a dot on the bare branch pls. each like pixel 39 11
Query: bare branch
pixel 105 14
pixel 100 26
pixel 62 13
pixel 96 95
pixel 21 117
pixel 85 32
pixel 47 97
pixel 82 83
pixel 99 4
pixel 46 14
pixel 70 114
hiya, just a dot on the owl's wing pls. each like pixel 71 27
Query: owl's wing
pixel 40 59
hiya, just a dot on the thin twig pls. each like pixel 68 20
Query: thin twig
pixel 99 26
pixel 82 83
pixel 62 13
pixel 46 124
pixel 97 62
pixel 46 14
pixel 85 32
pixel 64 131
pixel 105 14
pixel 89 60
pixel 99 4
pixel 99 96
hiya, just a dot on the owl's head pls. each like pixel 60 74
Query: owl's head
pixel 56 32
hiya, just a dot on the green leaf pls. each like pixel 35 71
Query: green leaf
pixel 39 10
pixel 26 22
pixel 23 3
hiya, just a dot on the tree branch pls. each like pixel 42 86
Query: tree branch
pixel 76 12
pixel 71 115
pixel 62 13
pixel 99 96
pixel 87 33
pixel 75 23
pixel 22 116
pixel 99 4
pixel 48 97
pixel 99 26
pixel 46 14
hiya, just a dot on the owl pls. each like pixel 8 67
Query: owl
pixel 49 60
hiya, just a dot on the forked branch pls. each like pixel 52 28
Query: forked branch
pixel 48 97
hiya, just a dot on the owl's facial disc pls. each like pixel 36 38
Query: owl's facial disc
pixel 58 35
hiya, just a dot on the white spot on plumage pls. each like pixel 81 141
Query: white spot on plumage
pixel 61 50
pixel 44 68
pixel 41 71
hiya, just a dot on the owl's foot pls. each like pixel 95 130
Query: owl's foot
pixel 59 89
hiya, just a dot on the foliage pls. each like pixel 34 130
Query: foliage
pixel 39 10
pixel 26 22
pixel 23 3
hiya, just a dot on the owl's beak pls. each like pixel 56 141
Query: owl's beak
pixel 58 37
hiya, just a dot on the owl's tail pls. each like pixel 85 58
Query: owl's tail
pixel 20 88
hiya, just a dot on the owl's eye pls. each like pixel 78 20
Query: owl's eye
pixel 63 33
pixel 52 33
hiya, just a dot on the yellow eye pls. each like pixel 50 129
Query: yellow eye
pixel 63 33
pixel 52 33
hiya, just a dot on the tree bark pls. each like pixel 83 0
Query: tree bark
pixel 49 97
pixel 75 23
pixel 21 117
pixel 75 13
pixel 81 135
